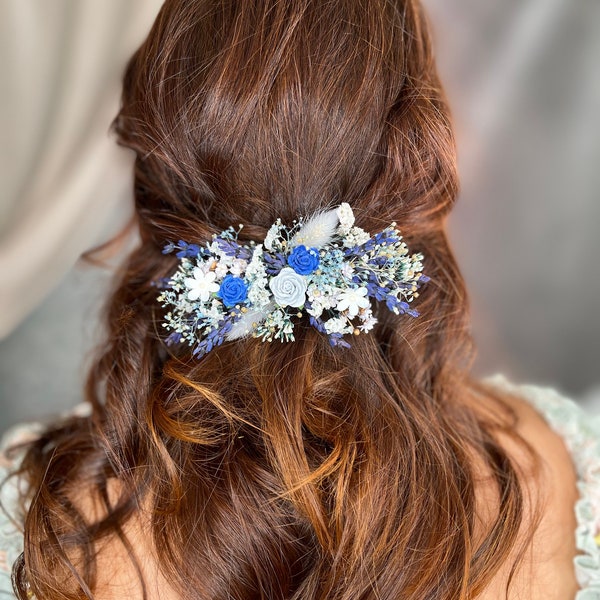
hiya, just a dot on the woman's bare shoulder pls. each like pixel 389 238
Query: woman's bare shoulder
pixel 122 563
pixel 550 486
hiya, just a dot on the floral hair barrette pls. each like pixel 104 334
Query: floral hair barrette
pixel 323 267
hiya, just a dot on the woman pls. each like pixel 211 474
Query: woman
pixel 218 464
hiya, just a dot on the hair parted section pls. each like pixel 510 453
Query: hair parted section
pixel 281 470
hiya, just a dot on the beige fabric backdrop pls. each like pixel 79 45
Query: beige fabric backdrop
pixel 524 83
pixel 65 184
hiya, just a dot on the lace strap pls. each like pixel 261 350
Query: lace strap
pixel 581 433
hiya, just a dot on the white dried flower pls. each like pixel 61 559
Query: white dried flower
pixel 347 270
pixel 336 325
pixel 355 237
pixel 201 285
pixel 256 275
pixel 317 231
pixel 352 300
pixel 221 270
pixel 367 319
pixel 238 266
pixel 346 218
pixel 272 234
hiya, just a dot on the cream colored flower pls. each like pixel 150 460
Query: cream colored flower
pixel 346 218
pixel 201 284
pixel 353 300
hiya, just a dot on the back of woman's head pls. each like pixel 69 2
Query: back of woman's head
pixel 282 470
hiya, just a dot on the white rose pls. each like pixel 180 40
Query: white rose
pixel 289 288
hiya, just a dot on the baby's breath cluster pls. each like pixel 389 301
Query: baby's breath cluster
pixel 323 268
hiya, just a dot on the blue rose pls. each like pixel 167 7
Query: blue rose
pixel 233 290
pixel 304 260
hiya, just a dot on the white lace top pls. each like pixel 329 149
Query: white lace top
pixel 580 431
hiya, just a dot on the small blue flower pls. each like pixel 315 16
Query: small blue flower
pixel 233 290
pixel 317 323
pixel 229 247
pixel 173 338
pixel 273 262
pixel 304 260
pixel 336 339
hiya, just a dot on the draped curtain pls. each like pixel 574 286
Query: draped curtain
pixel 65 183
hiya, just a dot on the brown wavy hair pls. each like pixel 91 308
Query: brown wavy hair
pixel 282 470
